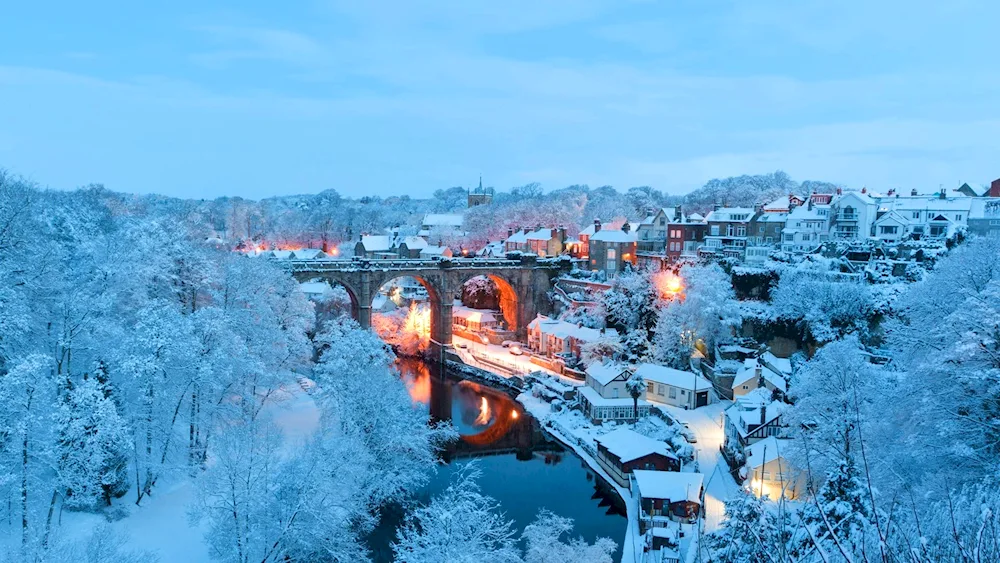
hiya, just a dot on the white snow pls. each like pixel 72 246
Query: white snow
pixel 628 445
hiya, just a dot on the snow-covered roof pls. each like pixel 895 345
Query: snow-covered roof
pixel 983 208
pixel 413 243
pixel 595 398
pixel 671 486
pixel 540 234
pixel 781 365
pixel 563 329
pixel 614 235
pixel 474 315
pixel 281 254
pixel 765 451
pixel 781 204
pixel 695 218
pixel 315 288
pixel 927 202
pixel 772 218
pixel 749 372
pixel 309 254
pixel 442 220
pixel 803 213
pixel 863 198
pixel 606 372
pixel 727 214
pixel 493 248
pixel 673 377
pixel 376 243
pixel 629 445
pixel 746 411
pixel 433 250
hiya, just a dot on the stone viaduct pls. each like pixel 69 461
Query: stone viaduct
pixel 523 283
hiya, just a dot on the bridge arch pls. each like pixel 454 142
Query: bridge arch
pixel 507 288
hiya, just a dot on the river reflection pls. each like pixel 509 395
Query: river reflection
pixel 521 466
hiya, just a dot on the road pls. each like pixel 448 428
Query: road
pixel 502 356
pixel 706 423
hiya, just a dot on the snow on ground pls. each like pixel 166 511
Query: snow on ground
pixel 161 524
pixel 707 425
pixel 521 364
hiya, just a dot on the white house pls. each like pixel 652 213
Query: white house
pixel 752 418
pixel 805 229
pixel 666 496
pixel 674 387
pixel 852 215
pixel 605 397
pixel 769 473
pixel 441 224
pixel 550 337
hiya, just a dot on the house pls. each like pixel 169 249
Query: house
pixel 752 418
pixel 473 320
pixel 667 496
pixel 769 472
pixel 852 215
pixel 317 290
pixel 921 216
pixel 764 234
pixel 436 225
pixel 651 232
pixel 543 242
pixel 493 249
pixel 755 374
pixel 376 246
pixel 604 397
pixel 309 254
pixel 984 216
pixel 622 451
pixel 806 228
pixel 611 249
pixel 410 247
pixel 727 232
pixel 970 190
pixel 684 238
pixel 674 387
pixel 552 337
pixel 783 205
pixel 435 252
pixel 781 366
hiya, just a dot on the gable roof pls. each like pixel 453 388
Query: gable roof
pixel 765 451
pixel 614 235
pixel 749 372
pixel 376 243
pixel 629 445
pixel 669 485
pixel 727 214
pixel 674 377
pixel 606 372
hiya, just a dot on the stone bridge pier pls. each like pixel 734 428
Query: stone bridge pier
pixel 523 285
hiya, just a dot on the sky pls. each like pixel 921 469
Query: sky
pixel 258 98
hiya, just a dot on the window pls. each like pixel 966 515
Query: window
pixel 614 393
pixel 715 230
pixel 659 390
pixel 916 214
pixel 741 231
pixel 673 392
pixel 649 386
pixel 746 387
pixel 888 229
pixel 958 217
pixel 760 229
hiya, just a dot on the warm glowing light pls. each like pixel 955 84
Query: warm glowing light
pixel 409 330
pixel 514 415
pixel 669 284
pixel 484 412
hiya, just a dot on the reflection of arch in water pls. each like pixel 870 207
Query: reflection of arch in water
pixel 496 412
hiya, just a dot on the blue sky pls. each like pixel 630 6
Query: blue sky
pixel 255 98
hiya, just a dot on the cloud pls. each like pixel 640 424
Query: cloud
pixel 254 43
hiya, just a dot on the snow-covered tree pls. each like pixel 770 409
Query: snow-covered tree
pixel 706 315
pixel 544 542
pixel 636 387
pixel 824 308
pixel 461 525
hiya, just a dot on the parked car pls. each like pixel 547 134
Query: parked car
pixel 515 350
pixel 688 434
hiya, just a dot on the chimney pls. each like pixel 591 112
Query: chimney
pixel 510 232
pixel 941 194
pixel 626 227
pixel 891 192
pixel 561 233
pixel 809 205
pixel 716 207
pixel 763 414
pixel 913 192
pixel 678 213
pixel 994 188
pixel 864 190
pixel 840 191
pixel 597 225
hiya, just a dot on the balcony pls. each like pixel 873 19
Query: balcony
pixel 843 217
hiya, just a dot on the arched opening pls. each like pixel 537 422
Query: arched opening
pixel 486 308
pixel 330 299
pixel 404 312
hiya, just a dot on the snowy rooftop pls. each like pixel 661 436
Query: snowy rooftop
pixel 433 250
pixel 413 243
pixel 749 371
pixel 765 451
pixel 606 372
pixel 309 254
pixel 595 398
pixel 673 377
pixel 614 235
pixel 669 485
pixel 317 288
pixel 730 214
pixel 376 243
pixel 781 365
pixel 540 234
pixel 629 445
pixel 927 202
pixel 474 315
pixel 563 329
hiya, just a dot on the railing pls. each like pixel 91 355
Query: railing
pixel 408 264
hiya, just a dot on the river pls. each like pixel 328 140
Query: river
pixel 523 468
